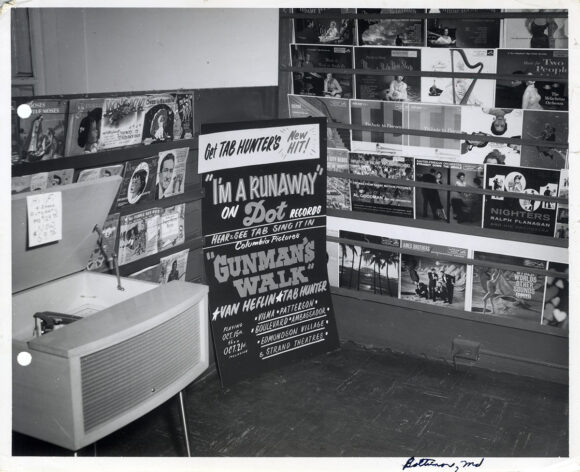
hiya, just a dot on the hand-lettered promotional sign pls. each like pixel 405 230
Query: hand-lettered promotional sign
pixel 264 227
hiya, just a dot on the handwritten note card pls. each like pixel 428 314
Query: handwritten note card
pixel 44 218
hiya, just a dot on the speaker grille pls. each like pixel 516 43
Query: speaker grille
pixel 120 377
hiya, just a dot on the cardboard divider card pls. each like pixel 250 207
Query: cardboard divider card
pixel 44 218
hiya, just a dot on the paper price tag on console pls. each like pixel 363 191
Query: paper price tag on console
pixel 44 218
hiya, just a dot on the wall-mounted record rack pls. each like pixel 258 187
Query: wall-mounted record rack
pixel 190 197
pixel 287 68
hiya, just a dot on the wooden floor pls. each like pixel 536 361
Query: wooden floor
pixel 352 402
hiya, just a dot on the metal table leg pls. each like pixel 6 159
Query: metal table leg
pixel 184 422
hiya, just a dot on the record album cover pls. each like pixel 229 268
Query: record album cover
pixel 367 269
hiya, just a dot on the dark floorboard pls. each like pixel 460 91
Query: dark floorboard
pixel 351 403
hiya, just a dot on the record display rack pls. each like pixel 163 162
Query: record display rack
pixel 512 344
pixel 191 196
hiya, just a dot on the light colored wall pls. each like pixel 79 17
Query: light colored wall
pixel 91 50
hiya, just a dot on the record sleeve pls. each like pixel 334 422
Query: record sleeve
pixel 122 122
pixel 331 84
pixel 84 126
pixel 544 94
pixel 545 126
pixel 98 258
pixel 459 91
pixel 369 269
pixel 317 30
pixel 172 227
pixel 396 87
pixel 138 182
pixel 463 32
pixel 171 173
pixel 337 189
pixel 390 31
pixel 183 118
pixel 386 116
pixel 432 117
pixel 158 122
pixel 557 298
pixel 431 279
pixel 100 172
pixel 335 109
pixel 521 215
pixel 372 197
pixel 173 267
pixel 139 235
pixel 543 33
pixel 41 136
pixel 514 294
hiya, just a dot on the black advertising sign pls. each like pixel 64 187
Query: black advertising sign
pixel 264 230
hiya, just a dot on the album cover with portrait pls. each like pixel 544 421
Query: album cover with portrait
pixel 171 167
pixel 138 183
pixel 159 118
pixel 173 267
pixel 84 126
pixel 459 32
pixel 396 87
pixel 41 136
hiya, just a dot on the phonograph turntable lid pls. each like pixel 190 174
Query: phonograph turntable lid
pixel 84 205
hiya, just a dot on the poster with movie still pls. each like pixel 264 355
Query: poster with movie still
pixel 41 136
pixel 543 94
pixel 386 199
pixel 183 116
pixel 562 216
pixel 459 90
pixel 336 85
pixel 515 294
pixel 264 232
pixel 316 30
pixel 521 215
pixel 338 189
pixel 98 257
pixel 459 32
pixel 396 87
pixel 159 118
pixel 432 203
pixel 171 173
pixel 149 274
pixel 465 208
pixel 387 117
pixel 536 33
pixel 173 267
pixel 545 127
pixel 430 278
pixel 172 227
pixel 369 269
pixel 432 118
pixel 336 110
pixel 122 121
pixel 391 31
pixel 557 297
pixel 139 235
pixel 42 180
pixel 96 173
pixel 84 126
pixel 138 183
